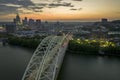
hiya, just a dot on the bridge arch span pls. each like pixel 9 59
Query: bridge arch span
pixel 47 58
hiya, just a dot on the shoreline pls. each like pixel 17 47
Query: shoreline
pixel 91 54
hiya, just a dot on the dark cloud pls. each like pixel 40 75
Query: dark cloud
pixel 41 4
pixel 36 8
pixel 24 3
pixel 7 9
pixel 77 0
pixel 53 5
pixel 74 9
pixel 14 6
pixel 57 1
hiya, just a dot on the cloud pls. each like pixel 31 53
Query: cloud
pixel 24 11
pixel 29 6
pixel 64 4
pixel 41 4
pixel 6 9
pixel 12 6
pixel 52 3
pixel 77 0
pixel 74 9
pixel 24 3
pixel 35 8
pixel 57 1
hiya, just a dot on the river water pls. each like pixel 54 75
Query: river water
pixel 13 61
pixel 83 67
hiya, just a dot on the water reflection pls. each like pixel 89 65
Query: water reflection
pixel 82 67
pixel 13 61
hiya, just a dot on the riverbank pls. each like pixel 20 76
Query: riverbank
pixel 91 54
pixel 100 48
pixel 27 42
pixel 76 46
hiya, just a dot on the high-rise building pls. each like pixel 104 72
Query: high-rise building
pixel 17 19
pixel 38 22
pixel 104 20
pixel 46 22
pixel 25 21
pixel 10 28
pixel 31 21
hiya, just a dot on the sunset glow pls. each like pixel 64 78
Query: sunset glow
pixel 81 10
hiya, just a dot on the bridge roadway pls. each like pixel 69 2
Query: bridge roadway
pixel 47 58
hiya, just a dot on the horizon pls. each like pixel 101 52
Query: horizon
pixel 77 21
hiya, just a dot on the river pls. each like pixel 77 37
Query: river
pixel 13 61
pixel 83 67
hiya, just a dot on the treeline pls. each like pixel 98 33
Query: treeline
pixel 29 42
pixel 111 50
pixel 93 47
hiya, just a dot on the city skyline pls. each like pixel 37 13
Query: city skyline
pixel 60 10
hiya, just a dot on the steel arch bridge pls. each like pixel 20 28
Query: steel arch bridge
pixel 47 58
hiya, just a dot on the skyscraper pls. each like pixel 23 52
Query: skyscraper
pixel 25 21
pixel 104 20
pixel 38 22
pixel 17 19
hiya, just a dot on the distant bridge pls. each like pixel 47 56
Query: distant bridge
pixel 47 58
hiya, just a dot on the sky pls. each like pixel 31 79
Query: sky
pixel 60 10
